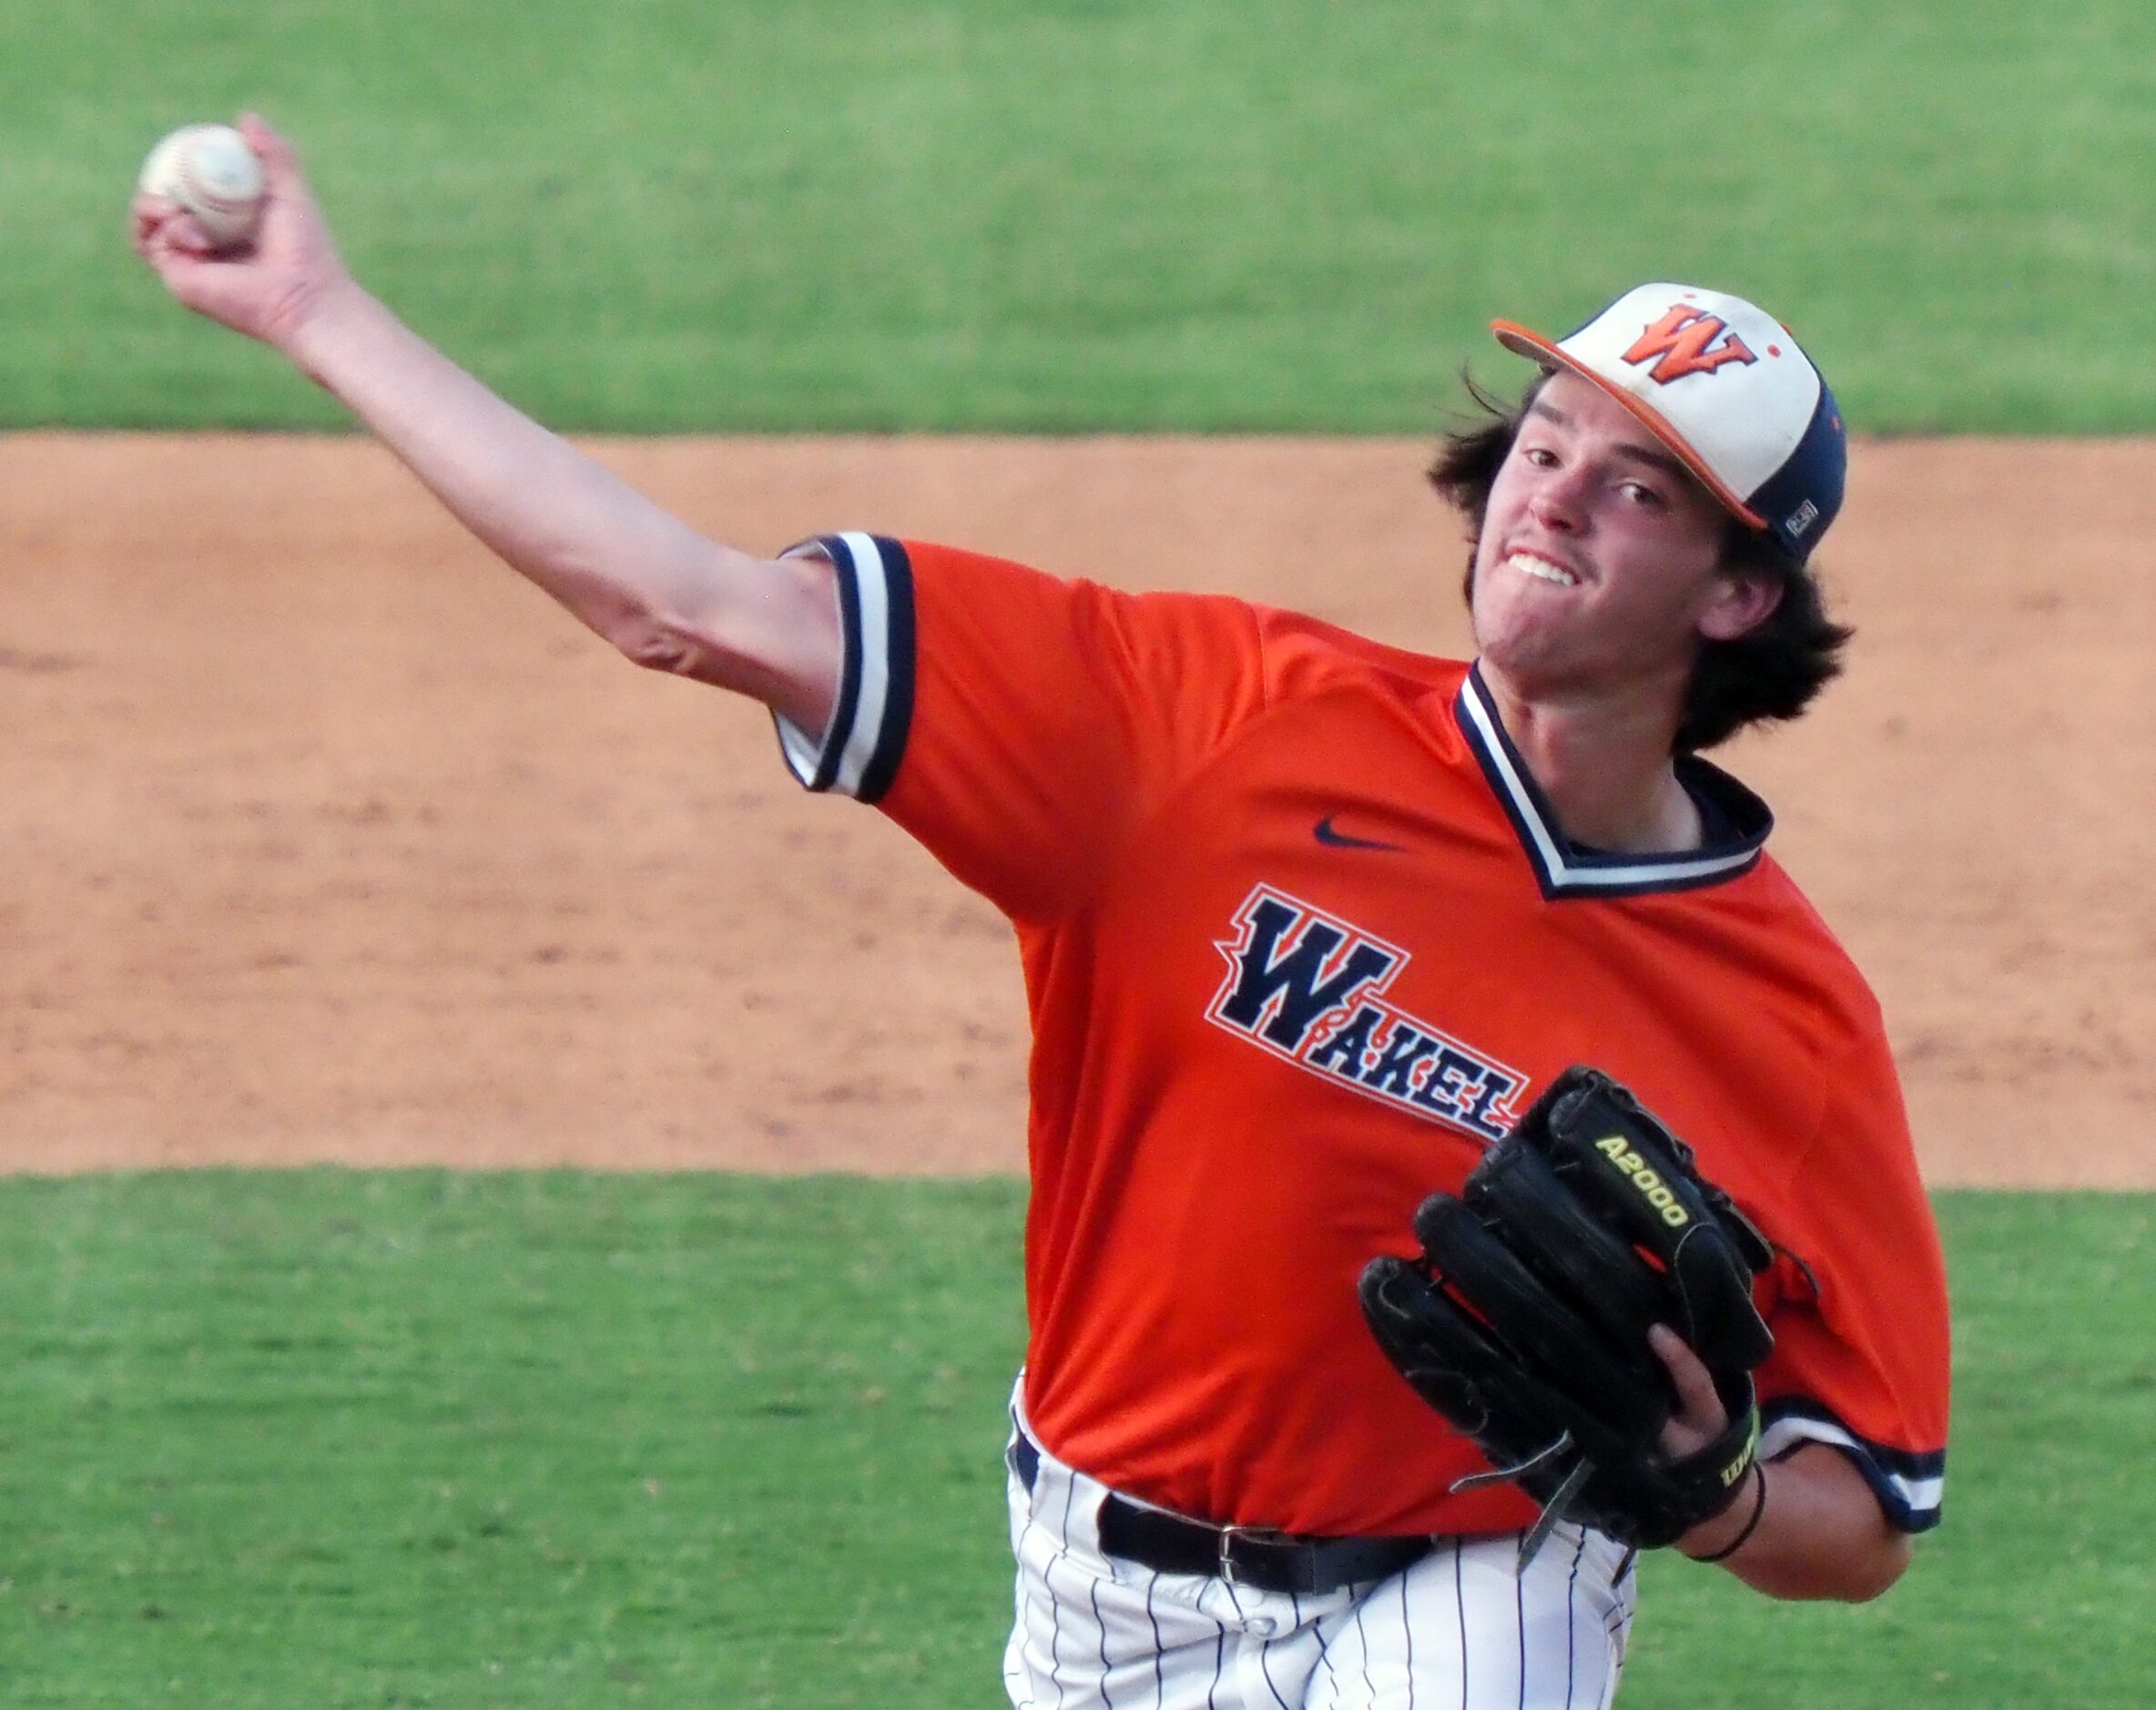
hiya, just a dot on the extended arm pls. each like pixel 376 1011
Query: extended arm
pixel 663 594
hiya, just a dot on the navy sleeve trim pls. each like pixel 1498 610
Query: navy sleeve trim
pixel 1909 1485
pixel 859 752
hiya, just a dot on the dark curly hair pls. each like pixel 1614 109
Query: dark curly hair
pixel 1771 672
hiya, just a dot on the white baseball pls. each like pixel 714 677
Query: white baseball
pixel 209 170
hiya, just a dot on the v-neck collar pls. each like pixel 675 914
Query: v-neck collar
pixel 1565 869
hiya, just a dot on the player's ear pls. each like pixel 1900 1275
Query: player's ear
pixel 1738 602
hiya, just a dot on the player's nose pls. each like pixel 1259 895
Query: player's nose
pixel 1559 501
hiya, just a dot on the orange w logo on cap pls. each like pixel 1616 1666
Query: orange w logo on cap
pixel 1684 340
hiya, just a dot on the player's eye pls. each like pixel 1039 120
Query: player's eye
pixel 1643 496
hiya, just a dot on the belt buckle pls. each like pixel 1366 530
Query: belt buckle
pixel 1257 1534
pixel 1226 1539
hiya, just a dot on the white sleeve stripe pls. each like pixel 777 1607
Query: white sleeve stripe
pixel 872 593
pixel 844 757
pixel 1919 1496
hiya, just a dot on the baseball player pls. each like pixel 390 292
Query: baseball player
pixel 1307 924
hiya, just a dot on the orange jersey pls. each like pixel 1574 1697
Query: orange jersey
pixel 1300 937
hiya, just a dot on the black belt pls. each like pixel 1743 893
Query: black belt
pixel 1262 1560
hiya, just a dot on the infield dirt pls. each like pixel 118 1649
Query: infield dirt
pixel 325 838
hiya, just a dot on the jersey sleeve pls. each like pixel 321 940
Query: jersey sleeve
pixel 1022 726
pixel 1861 1344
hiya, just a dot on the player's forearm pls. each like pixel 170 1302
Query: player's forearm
pixel 1821 1534
pixel 663 593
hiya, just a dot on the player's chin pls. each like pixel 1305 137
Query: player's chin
pixel 1513 610
pixel 1529 647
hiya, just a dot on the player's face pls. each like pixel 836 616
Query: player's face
pixel 1599 561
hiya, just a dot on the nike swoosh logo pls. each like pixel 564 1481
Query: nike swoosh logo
pixel 1334 839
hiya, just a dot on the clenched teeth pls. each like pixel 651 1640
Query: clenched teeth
pixel 1541 569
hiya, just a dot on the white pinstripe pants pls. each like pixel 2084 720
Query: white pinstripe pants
pixel 1459 1630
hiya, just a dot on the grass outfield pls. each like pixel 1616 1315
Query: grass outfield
pixel 420 1439
pixel 1079 214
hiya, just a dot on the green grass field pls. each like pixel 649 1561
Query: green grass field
pixel 1079 214
pixel 343 1440
pixel 412 1439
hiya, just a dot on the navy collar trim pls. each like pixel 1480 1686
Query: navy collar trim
pixel 1564 869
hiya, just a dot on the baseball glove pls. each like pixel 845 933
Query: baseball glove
pixel 1525 1321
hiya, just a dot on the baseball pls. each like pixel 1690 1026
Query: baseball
pixel 210 172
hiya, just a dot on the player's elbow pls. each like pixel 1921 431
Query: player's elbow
pixel 1845 1573
pixel 675 637
pixel 645 638
pixel 1875 1574
pixel 799 686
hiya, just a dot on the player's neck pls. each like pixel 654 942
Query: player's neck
pixel 1603 763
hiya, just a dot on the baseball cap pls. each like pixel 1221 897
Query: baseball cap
pixel 1723 385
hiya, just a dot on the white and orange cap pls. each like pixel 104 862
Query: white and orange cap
pixel 1722 383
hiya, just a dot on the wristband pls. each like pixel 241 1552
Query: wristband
pixel 1751 1526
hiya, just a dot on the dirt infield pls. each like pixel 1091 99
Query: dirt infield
pixel 325 838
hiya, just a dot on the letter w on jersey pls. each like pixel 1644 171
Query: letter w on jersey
pixel 1684 340
pixel 1308 987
